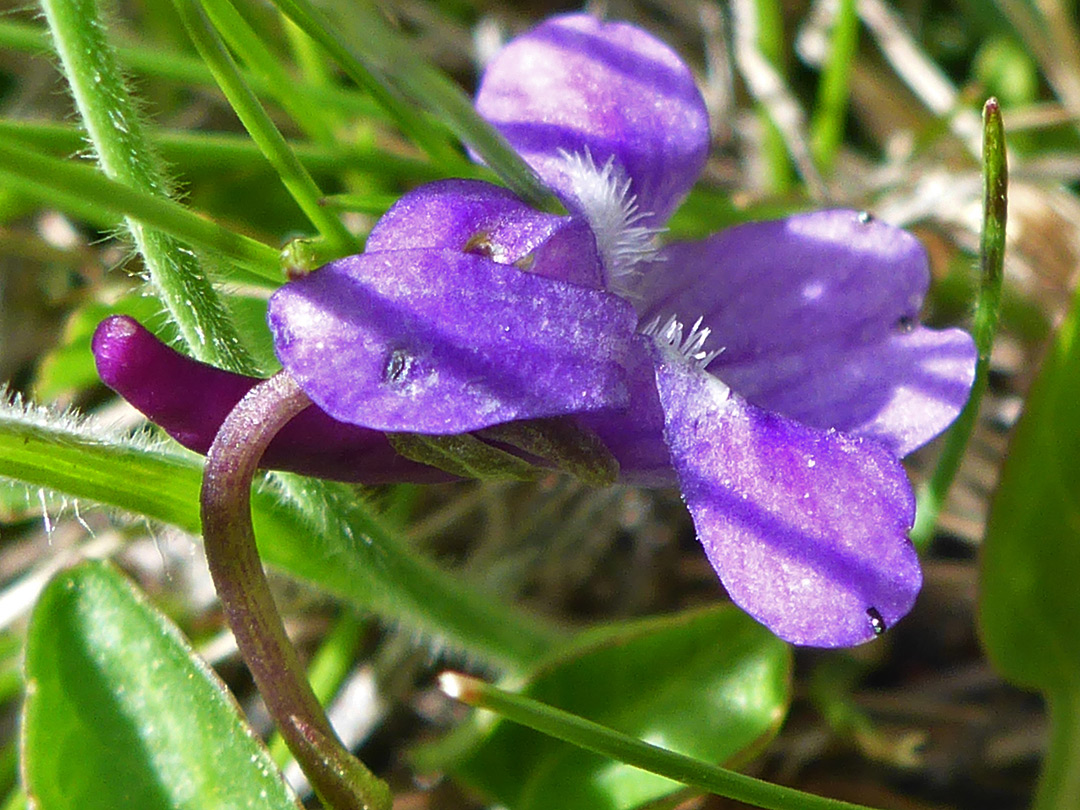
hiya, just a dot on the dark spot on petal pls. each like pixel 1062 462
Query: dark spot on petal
pixel 397 368
pixel 865 217
pixel 480 244
pixel 905 324
pixel 876 622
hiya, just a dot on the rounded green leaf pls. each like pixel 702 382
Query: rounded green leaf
pixel 710 684
pixel 1029 598
pixel 121 713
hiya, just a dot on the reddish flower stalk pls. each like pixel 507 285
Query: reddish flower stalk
pixel 341 781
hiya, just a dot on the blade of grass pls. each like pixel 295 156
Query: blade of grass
pixel 595 737
pixel 784 124
pixel 262 130
pixel 1059 781
pixel 258 59
pixel 188 70
pixel 189 151
pixel 770 44
pixel 82 189
pixel 115 129
pixel 311 21
pixel 834 88
pixel 984 325
pixel 320 533
pixel 389 58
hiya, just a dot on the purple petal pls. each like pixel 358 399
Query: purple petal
pixel 440 342
pixel 190 400
pixel 818 318
pixel 471 216
pixel 806 527
pixel 575 83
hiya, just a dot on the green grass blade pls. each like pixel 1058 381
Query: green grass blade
pixel 834 88
pixel 155 63
pixel 984 325
pixel 60 182
pixel 262 130
pixel 251 50
pixel 321 533
pixel 393 62
pixel 202 151
pixel 595 737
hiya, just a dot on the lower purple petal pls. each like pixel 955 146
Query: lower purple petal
pixel 189 401
pixel 441 342
pixel 818 318
pixel 806 527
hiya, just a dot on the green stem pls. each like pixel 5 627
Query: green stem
pixel 115 129
pixel 984 325
pixel 827 125
pixel 623 748
pixel 341 781
pixel 382 53
pixel 309 57
pixel 1059 782
pixel 82 189
pixel 262 129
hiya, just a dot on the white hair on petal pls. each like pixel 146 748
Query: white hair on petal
pixel 691 346
pixel 612 212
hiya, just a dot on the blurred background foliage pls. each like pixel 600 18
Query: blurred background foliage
pixel 868 104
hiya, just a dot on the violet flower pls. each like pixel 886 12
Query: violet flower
pixel 781 414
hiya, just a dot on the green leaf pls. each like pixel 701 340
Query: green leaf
pixel 121 713
pixel 1029 599
pixel 711 684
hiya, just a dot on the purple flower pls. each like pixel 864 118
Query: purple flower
pixel 781 413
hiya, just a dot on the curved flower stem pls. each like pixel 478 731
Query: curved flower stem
pixel 341 781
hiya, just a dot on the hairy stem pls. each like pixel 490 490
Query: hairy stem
pixel 115 128
pixel 339 779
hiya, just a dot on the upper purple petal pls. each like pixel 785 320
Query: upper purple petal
pixel 441 342
pixel 190 400
pixel 471 216
pixel 817 316
pixel 806 527
pixel 577 84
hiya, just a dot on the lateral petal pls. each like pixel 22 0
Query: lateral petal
pixel 441 342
